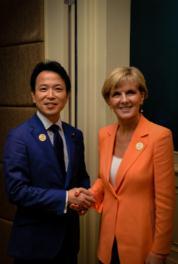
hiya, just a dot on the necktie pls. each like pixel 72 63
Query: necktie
pixel 58 147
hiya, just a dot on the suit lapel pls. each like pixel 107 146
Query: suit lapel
pixel 69 137
pixel 41 137
pixel 136 147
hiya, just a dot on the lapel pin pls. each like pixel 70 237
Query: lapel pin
pixel 139 146
pixel 42 137
pixel 73 134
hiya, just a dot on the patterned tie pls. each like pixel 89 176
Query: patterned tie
pixel 58 147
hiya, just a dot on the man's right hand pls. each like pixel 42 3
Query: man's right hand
pixel 81 197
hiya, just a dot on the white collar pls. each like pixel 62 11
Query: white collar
pixel 46 122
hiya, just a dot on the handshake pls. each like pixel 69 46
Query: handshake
pixel 80 200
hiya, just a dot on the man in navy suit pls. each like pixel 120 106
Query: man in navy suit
pixel 45 228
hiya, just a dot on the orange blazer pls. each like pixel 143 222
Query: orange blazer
pixel 138 211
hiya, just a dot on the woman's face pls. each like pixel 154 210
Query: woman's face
pixel 126 100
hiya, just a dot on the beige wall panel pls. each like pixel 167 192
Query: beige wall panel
pixel 118 33
pixel 7 210
pixel 177 179
pixel 98 22
pixel 175 236
pixel 16 64
pixel 91 108
pixel 21 21
pixel 11 117
pixel 5 227
pixel 56 40
pixel 173 257
pixel 118 39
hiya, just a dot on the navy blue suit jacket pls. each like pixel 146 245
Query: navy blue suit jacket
pixel 34 183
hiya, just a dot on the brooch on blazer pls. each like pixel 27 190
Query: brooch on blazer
pixel 42 137
pixel 139 146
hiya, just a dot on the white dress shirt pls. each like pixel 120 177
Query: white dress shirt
pixel 116 161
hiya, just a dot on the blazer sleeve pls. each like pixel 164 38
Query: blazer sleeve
pixel 20 187
pixel 98 188
pixel 164 182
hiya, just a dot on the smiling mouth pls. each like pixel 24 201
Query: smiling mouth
pixel 50 105
pixel 125 107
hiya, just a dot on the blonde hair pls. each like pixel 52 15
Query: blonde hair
pixel 124 74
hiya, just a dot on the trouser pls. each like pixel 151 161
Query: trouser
pixel 66 255
pixel 67 259
pixel 115 255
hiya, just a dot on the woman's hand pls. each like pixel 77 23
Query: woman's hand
pixel 80 200
pixel 153 258
pixel 81 197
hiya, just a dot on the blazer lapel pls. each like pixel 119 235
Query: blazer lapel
pixel 136 147
pixel 109 145
pixel 107 150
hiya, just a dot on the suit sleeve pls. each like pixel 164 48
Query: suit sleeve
pixel 20 187
pixel 164 181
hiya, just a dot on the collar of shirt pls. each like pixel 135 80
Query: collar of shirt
pixel 46 122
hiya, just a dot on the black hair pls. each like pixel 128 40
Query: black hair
pixel 52 66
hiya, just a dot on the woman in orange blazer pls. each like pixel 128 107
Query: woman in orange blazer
pixel 135 190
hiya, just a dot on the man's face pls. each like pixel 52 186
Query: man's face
pixel 50 94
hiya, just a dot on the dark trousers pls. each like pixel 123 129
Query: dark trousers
pixel 115 255
pixel 65 256
pixel 68 259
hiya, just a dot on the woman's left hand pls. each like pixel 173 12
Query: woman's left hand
pixel 153 258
